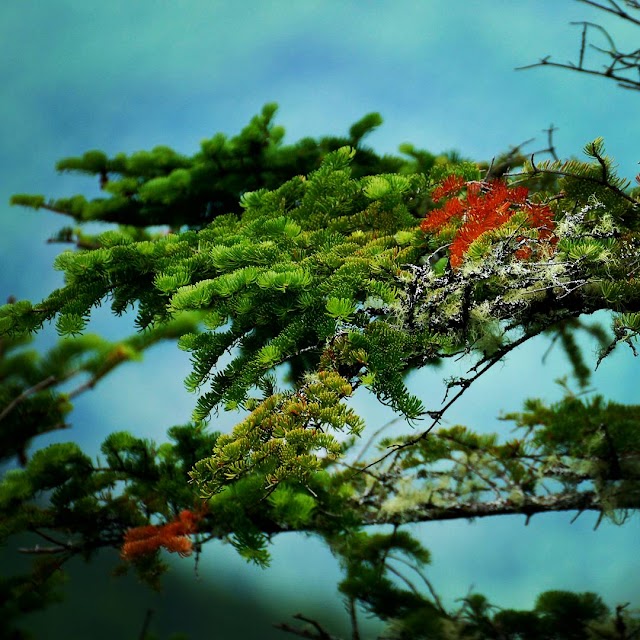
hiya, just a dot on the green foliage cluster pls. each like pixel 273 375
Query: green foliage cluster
pixel 30 396
pixel 579 453
pixel 278 440
pixel 372 565
pixel 163 187
pixel 296 275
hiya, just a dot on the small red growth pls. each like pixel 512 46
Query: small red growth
pixel 486 206
pixel 173 536
pixel 450 185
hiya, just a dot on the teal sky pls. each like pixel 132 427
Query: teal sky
pixel 123 76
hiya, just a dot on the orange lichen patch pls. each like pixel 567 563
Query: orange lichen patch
pixel 172 536
pixel 450 185
pixel 484 207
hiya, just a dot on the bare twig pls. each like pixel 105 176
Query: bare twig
pixel 38 550
pixel 41 386
pixel 551 149
pixel 404 579
pixel 625 83
pixel 616 10
pixel 319 634
pixel 620 65
pixel 464 384
pixel 374 435
pixel 353 617
pixel 145 625
pixel 427 582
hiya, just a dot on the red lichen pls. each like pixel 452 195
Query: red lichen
pixel 484 207
pixel 172 536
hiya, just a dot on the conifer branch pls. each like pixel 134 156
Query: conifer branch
pixel 532 505
pixel 602 181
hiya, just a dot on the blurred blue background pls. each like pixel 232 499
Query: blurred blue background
pixel 125 76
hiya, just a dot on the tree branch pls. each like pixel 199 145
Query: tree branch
pixel 41 386
pixel 616 11
pixel 532 505
pixel 621 63
pixel 319 634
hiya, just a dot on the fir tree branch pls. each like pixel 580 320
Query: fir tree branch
pixel 604 181
pixel 332 274
pixel 532 505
